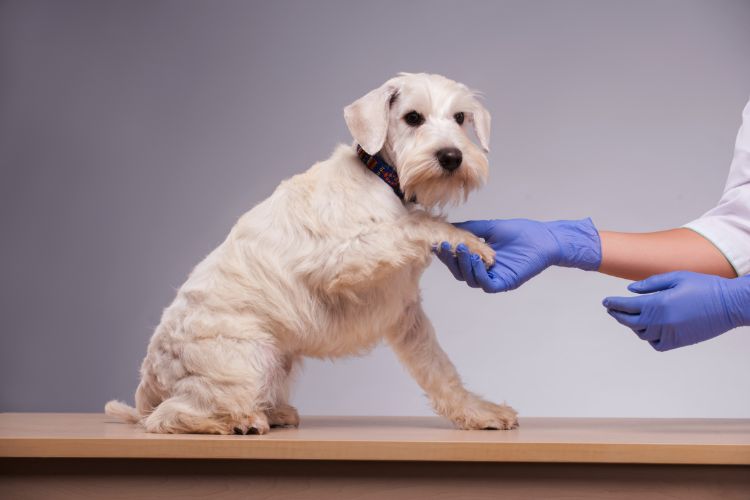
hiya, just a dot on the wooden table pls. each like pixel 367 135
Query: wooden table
pixel 90 455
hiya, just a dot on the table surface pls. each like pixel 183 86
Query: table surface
pixel 579 440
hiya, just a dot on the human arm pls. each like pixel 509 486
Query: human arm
pixel 636 256
pixel 524 248
pixel 717 243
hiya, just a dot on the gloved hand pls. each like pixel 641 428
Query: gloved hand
pixel 523 249
pixel 682 308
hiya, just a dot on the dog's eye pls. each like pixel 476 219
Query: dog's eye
pixel 413 119
pixel 459 117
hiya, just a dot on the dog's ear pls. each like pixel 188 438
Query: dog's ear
pixel 367 117
pixel 480 118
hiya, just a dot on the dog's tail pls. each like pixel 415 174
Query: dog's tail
pixel 122 411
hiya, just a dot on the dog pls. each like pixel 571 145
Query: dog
pixel 327 266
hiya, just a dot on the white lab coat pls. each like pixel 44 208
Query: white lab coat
pixel 728 224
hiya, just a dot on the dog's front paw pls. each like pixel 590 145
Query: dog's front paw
pixel 283 415
pixel 486 415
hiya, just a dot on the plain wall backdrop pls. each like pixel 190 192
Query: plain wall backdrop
pixel 134 133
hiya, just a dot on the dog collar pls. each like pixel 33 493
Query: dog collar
pixel 380 168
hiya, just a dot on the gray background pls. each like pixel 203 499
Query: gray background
pixel 133 134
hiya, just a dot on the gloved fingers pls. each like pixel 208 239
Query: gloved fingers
pixel 649 334
pixel 445 253
pixel 665 341
pixel 655 283
pixel 464 264
pixel 630 305
pixel 659 345
pixel 487 280
pixel 632 321
pixel 480 228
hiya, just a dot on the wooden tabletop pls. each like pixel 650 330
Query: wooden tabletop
pixel 590 440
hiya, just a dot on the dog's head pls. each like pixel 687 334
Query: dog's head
pixel 418 123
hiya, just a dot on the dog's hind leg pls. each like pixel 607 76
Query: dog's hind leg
pixel 147 397
pixel 179 415
pixel 185 413
pixel 418 349
pixel 229 384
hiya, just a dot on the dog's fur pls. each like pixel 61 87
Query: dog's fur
pixel 328 266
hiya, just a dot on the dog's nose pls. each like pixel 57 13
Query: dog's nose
pixel 449 158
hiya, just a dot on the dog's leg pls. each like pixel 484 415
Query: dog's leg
pixel 227 384
pixel 182 415
pixel 377 254
pixel 426 230
pixel 282 414
pixel 418 349
pixel 147 397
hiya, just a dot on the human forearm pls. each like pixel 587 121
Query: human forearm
pixel 639 255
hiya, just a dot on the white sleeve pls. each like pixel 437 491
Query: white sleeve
pixel 728 224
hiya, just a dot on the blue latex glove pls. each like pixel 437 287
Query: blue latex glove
pixel 682 308
pixel 523 249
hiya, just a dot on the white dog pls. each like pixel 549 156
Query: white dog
pixel 328 266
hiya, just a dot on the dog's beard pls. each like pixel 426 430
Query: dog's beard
pixel 421 176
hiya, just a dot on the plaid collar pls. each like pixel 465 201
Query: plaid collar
pixel 380 168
